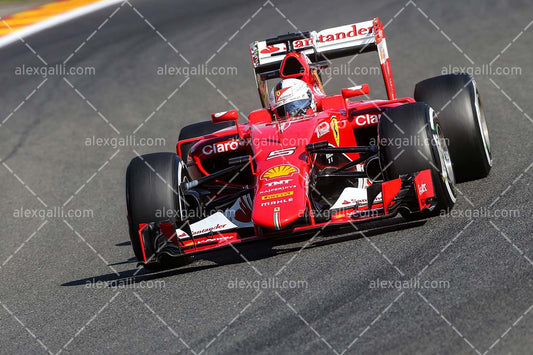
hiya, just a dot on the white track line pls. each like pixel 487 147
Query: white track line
pixel 15 36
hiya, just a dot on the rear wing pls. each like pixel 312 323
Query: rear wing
pixel 331 43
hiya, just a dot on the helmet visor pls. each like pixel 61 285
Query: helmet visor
pixel 295 108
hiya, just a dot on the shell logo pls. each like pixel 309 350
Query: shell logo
pixel 279 171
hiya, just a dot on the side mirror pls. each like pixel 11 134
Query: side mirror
pixel 355 91
pixel 225 116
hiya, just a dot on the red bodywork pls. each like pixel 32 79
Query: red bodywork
pixel 281 170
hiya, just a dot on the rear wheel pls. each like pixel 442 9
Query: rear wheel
pixel 152 193
pixel 456 99
pixel 411 140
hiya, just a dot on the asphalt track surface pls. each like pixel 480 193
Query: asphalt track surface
pixel 50 268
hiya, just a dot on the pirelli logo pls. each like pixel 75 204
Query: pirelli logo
pixel 279 195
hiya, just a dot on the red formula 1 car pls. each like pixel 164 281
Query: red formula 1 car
pixel 307 161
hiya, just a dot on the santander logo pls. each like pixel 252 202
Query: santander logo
pixel 218 226
pixel 270 49
pixel 341 34
pixel 344 32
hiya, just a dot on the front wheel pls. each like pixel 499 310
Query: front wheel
pixel 411 140
pixel 152 195
pixel 456 99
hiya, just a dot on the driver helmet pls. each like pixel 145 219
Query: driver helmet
pixel 292 97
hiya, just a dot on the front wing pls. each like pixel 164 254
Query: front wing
pixel 414 192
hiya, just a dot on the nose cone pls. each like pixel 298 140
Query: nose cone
pixel 283 171
pixel 281 197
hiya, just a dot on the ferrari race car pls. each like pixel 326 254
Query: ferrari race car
pixel 307 161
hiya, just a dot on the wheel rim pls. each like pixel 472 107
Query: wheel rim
pixel 446 169
pixel 482 123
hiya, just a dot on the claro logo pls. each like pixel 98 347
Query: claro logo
pixel 367 120
pixel 221 147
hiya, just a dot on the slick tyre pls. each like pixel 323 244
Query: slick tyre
pixel 152 192
pixel 411 140
pixel 462 118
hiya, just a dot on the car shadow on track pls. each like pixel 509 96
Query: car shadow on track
pixel 344 234
pixel 256 250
